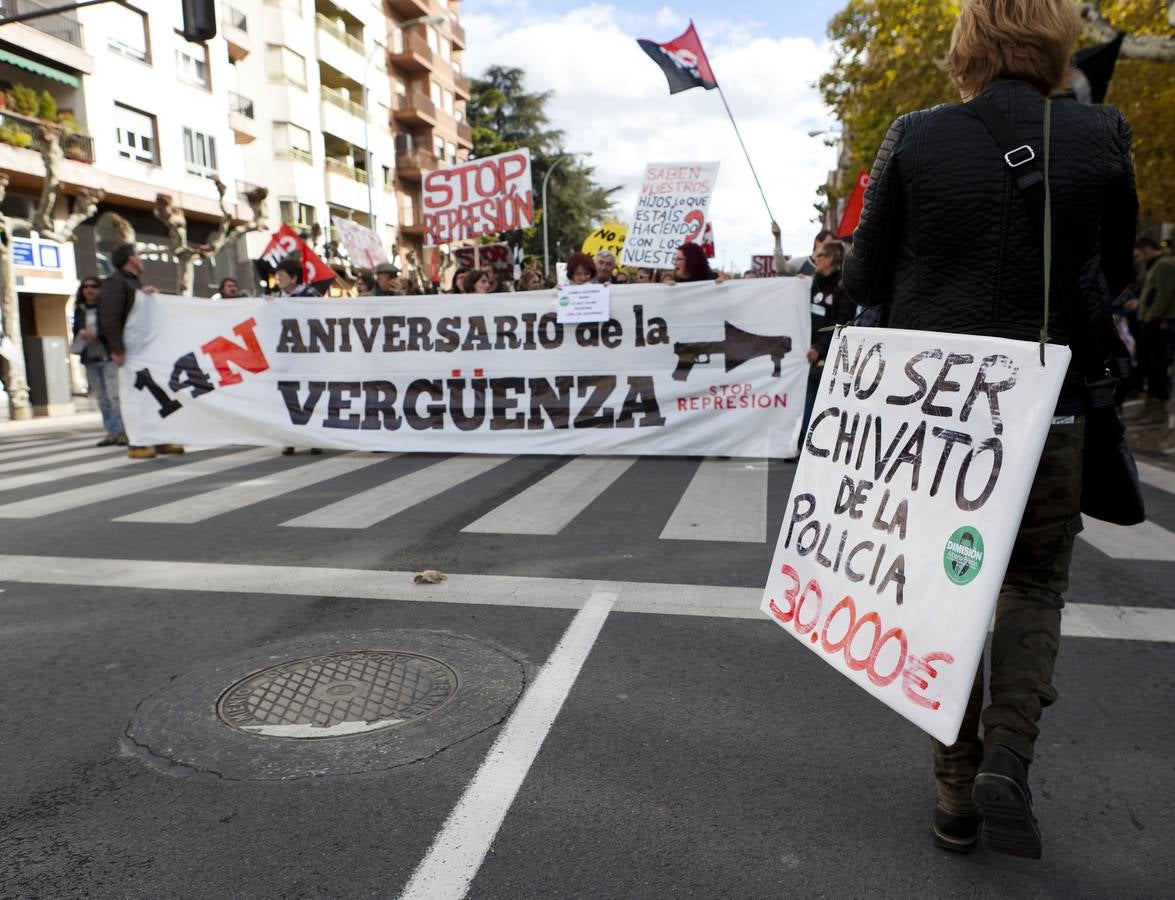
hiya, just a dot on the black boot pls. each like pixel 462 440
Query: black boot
pixel 1001 793
pixel 956 831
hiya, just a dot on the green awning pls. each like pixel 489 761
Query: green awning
pixel 39 68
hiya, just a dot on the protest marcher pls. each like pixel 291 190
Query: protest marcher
pixel 605 266
pixel 646 276
pixel 1156 332
pixel 387 280
pixel 807 266
pixel 621 277
pixel 948 250
pixel 690 264
pixel 101 371
pixel 228 289
pixel 477 281
pixel 459 279
pixel 831 306
pixel 288 275
pixel 530 281
pixel 667 277
pixel 580 269
pixel 365 286
pixel 115 299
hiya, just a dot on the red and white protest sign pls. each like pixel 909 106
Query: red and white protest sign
pixel 284 242
pixel 763 265
pixel 477 198
pixel 488 256
pixel 363 245
pixel 673 209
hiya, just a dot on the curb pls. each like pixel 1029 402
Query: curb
pixel 41 424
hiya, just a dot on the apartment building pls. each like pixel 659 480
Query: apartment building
pixel 429 93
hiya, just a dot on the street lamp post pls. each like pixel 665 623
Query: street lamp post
pixel 546 245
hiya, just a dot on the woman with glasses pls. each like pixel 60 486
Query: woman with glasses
pixel 830 306
pixel 101 372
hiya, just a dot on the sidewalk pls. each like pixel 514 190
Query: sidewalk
pixel 86 418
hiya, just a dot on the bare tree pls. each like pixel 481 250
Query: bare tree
pixel 1152 48
pixel 46 224
pixel 185 252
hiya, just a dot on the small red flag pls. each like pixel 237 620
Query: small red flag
pixel 852 213
pixel 286 241
pixel 683 61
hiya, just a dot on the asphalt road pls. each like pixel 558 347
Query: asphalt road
pixel 640 732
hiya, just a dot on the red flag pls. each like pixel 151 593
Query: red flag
pixel 286 241
pixel 683 61
pixel 852 213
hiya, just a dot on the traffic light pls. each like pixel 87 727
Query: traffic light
pixel 199 20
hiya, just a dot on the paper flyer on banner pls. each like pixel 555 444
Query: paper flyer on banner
pixel 583 303
pixel 683 369
pixel 673 208
pixel 486 196
pixel 907 498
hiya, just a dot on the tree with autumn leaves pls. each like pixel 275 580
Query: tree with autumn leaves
pixel 887 54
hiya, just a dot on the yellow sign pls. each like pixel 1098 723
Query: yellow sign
pixel 609 236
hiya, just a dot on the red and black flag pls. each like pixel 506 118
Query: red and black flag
pixel 683 61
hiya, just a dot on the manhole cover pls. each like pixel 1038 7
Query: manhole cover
pixel 337 694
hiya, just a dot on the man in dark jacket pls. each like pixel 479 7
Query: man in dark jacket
pixel 115 299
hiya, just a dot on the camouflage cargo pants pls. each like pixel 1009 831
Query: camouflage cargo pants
pixel 1027 622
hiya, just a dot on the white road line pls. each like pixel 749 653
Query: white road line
pixel 131 484
pixel 447 870
pixel 5 446
pixel 703 601
pixel 47 458
pixel 236 496
pixel 50 447
pixel 548 506
pixel 372 506
pixel 726 501
pixel 1156 476
pixel 1147 541
pixel 103 463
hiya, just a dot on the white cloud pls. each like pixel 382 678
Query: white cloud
pixel 611 99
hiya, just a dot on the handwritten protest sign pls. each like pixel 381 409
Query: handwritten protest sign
pixel 487 256
pixel 363 245
pixel 673 209
pixel 689 369
pixel 583 303
pixel 476 198
pixel 763 265
pixel 915 470
pixel 609 236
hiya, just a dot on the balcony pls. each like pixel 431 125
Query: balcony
pixel 295 153
pixel 25 133
pixel 58 26
pixel 414 109
pixel 457 34
pixel 407 8
pixel 346 185
pixel 331 28
pixel 234 25
pixel 342 101
pixel 55 37
pixel 341 167
pixel 462 86
pixel 240 119
pixel 413 56
pixel 464 135
pixel 413 165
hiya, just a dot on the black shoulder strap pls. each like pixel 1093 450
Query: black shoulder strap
pixel 1018 155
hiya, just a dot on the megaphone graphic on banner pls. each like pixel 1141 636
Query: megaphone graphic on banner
pixel 738 347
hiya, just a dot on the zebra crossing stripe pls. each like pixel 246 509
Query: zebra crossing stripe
pixel 1157 477
pixel 55 458
pixel 548 506
pixel 1147 541
pixel 726 501
pixel 266 487
pixel 44 476
pixel 157 476
pixel 372 506
pixel 5 446
pixel 48 447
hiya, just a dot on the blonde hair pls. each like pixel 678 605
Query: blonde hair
pixel 1026 39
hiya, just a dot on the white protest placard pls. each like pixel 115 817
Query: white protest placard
pixel 583 303
pixel 363 245
pixel 673 209
pixel 481 197
pixel 688 369
pixel 915 470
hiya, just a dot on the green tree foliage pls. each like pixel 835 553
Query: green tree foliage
pixel 503 116
pixel 886 64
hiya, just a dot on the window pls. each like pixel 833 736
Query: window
pixel 438 147
pixel 446 50
pixel 299 215
pixel 199 153
pixel 451 154
pixel 434 91
pixel 286 65
pixel 135 133
pixel 192 66
pixel 448 104
pixel 127 31
pixel 292 142
pixel 430 35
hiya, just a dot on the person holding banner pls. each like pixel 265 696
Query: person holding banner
pixel 690 264
pixel 580 269
pixel 830 307
pixel 951 240
pixel 477 281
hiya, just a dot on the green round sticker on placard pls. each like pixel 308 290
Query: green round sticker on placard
pixel 564 300
pixel 963 556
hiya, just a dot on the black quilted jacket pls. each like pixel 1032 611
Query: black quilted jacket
pixel 946 241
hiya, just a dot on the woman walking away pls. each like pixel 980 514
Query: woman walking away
pixel 948 242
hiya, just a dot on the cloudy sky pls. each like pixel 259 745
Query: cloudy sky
pixel 612 100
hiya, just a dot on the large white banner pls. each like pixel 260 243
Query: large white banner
pixel 678 369
pixel 480 197
pixel 673 209
pixel 915 470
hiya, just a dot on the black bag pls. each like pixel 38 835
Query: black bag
pixel 1109 476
